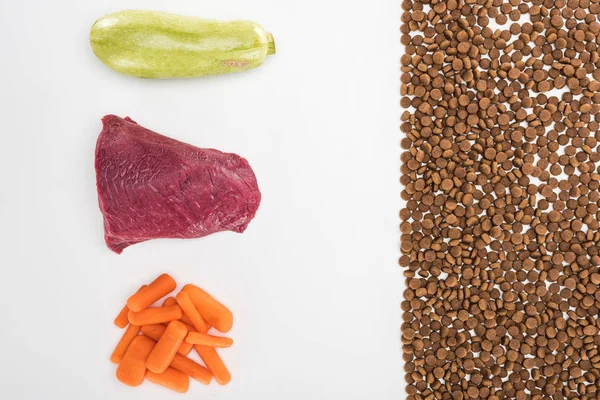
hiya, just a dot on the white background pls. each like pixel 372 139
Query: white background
pixel 313 283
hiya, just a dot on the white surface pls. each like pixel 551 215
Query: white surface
pixel 313 283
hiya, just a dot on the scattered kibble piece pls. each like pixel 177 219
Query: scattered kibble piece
pixel 500 234
pixel 159 353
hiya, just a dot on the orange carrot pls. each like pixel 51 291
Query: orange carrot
pixel 155 331
pixel 166 348
pixel 121 321
pixel 185 348
pixel 191 368
pixel 214 363
pixel 190 328
pixel 156 315
pixel 208 340
pixel 130 334
pixel 132 369
pixel 146 296
pixel 185 302
pixel 170 301
pixel 213 312
pixel 171 379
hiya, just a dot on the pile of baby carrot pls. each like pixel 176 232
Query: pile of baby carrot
pixel 157 340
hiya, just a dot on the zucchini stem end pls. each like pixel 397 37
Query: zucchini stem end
pixel 271 49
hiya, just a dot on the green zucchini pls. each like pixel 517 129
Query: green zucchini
pixel 153 44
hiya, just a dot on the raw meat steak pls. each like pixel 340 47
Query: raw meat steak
pixel 151 186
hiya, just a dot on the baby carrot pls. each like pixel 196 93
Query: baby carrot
pixel 155 331
pixel 121 321
pixel 185 348
pixel 185 302
pixel 190 328
pixel 156 315
pixel 208 340
pixel 191 368
pixel 166 348
pixel 171 379
pixel 144 298
pixel 132 369
pixel 130 333
pixel 213 312
pixel 214 363
pixel 170 301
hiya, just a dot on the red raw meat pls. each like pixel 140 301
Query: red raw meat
pixel 151 186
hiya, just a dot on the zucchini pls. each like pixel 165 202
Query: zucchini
pixel 153 44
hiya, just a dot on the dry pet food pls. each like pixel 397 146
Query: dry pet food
pixel 500 171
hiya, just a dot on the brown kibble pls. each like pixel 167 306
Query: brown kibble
pixel 503 119
pixel 545 115
pixel 418 15
pixel 473 392
pixel 469 365
pixel 408 333
pixel 517 238
pixel 438 57
pixel 464 47
pixel 490 154
pixel 514 73
pixel 588 301
pixel 527 169
pixel 576 372
pixel 451 281
pixel 484 103
pixel 590 330
pixel 541 229
pixel 447 184
pixel 543 86
pixel 512 355
pixel 570 283
pixel 500 225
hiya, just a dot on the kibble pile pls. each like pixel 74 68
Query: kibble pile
pixel 501 173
